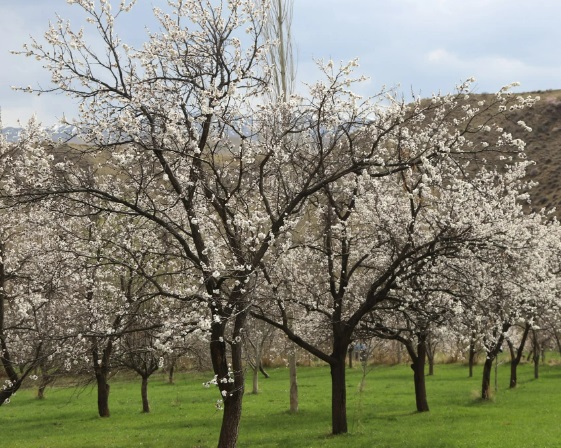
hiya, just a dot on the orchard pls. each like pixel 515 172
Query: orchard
pixel 211 202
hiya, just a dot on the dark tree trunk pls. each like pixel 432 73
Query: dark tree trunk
pixel 144 393
pixel 338 396
pixel 430 348
pixel 557 340
pixel 41 391
pixel 516 357
pixel 13 376
pixel 6 394
pixel 486 383
pixel 16 379
pixel 536 367
pixel 418 366
pixel 45 379
pixel 171 371
pixel 513 365
pixel 230 428
pixel 102 393
pixel 5 357
pixel 101 370
pixel 263 372
pixel 536 354
pixel 471 357
pixel 488 366
pixel 513 374
pixel 255 382
pixel 351 349
pixel 231 392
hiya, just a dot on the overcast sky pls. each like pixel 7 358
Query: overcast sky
pixel 422 45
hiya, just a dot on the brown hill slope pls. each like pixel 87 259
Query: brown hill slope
pixel 543 146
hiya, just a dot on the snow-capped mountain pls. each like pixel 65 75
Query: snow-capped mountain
pixel 58 132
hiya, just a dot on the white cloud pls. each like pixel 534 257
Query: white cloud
pixel 428 45
pixel 439 55
pixel 494 71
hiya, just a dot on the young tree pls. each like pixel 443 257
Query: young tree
pixel 34 301
pixel 410 320
pixel 255 337
pixel 368 235
pixel 139 354
pixel 511 283
pixel 516 353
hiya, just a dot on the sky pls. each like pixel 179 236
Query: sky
pixel 422 46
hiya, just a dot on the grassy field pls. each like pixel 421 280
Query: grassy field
pixel 382 415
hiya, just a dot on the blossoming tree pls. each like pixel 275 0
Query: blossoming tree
pixel 181 137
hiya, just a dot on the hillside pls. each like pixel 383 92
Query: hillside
pixel 543 144
pixel 544 148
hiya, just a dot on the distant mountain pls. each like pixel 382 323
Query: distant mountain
pixel 62 133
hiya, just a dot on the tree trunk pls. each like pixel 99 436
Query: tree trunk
pixel 255 383
pixel 351 349
pixel 232 389
pixel 488 366
pixel 171 371
pixel 13 376
pixel 144 393
pixel 338 395
pixel 536 367
pixel 5 357
pixel 536 355
pixel 516 357
pixel 293 381
pixel 557 340
pixel 430 348
pixel 258 351
pixel 6 394
pixel 41 392
pixel 262 370
pixel 513 373
pixel 101 370
pixel 471 357
pixel 102 393
pixel 292 369
pixel 230 428
pixel 418 367
pixel 45 378
pixel 486 383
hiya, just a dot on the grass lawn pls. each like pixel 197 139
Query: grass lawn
pixel 183 415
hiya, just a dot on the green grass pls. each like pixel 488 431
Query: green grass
pixel 183 415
